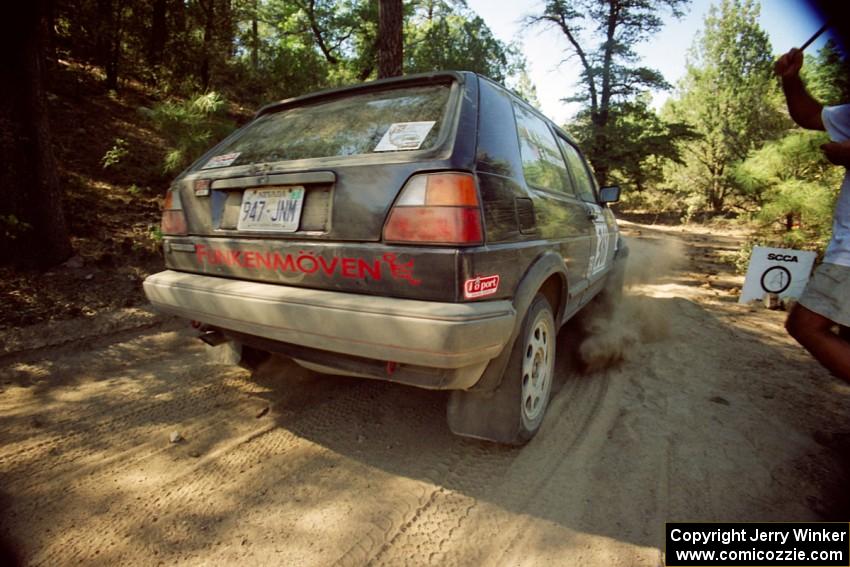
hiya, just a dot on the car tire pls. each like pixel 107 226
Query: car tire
pixel 531 369
pixel 514 412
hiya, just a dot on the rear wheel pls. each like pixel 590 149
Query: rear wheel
pixel 513 413
pixel 537 367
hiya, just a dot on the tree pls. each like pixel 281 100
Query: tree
pixel 389 38
pixel 827 75
pixel 109 35
pixel 602 34
pixel 729 97
pixel 791 181
pixel 524 87
pixel 159 32
pixel 644 142
pixel 443 35
pixel 32 223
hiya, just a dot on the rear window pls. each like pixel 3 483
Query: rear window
pixel 397 120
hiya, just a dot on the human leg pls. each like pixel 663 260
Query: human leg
pixel 814 332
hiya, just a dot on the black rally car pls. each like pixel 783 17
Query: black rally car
pixel 431 230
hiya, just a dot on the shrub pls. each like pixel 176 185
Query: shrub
pixel 190 127
pixel 115 154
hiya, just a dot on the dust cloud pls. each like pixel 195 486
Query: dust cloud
pixel 615 325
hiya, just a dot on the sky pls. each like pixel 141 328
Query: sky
pixel 788 23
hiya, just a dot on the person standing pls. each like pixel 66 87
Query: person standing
pixel 825 302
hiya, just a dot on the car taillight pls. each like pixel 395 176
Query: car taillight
pixel 173 219
pixel 436 208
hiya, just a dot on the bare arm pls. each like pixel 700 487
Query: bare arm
pixel 804 109
pixel 837 152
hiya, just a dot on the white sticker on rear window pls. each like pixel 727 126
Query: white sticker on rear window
pixel 404 136
pixel 221 161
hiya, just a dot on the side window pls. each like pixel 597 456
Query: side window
pixel 542 163
pixel 579 171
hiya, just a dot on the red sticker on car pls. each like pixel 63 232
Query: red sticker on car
pixel 309 263
pixel 480 286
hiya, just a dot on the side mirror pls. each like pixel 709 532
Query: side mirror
pixel 610 194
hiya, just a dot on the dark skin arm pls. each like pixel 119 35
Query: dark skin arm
pixel 804 109
pixel 837 152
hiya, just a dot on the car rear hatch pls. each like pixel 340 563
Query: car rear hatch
pixel 301 194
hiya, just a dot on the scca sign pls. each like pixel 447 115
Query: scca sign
pixel 782 257
pixel 777 270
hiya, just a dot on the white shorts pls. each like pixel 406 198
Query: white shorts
pixel 828 293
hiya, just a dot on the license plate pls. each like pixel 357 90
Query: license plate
pixel 271 210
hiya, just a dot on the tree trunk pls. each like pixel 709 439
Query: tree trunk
pixel 390 18
pixel 209 28
pixel 32 224
pixel 159 32
pixel 49 32
pixel 717 199
pixel 255 38
pixel 226 29
pixel 109 40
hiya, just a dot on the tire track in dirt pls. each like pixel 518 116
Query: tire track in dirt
pixel 485 473
pixel 40 457
pixel 366 473
pixel 55 335
pixel 230 467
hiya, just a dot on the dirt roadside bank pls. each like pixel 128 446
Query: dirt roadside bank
pixel 708 417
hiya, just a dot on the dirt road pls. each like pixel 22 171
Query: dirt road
pixel 707 417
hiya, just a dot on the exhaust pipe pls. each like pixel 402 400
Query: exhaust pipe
pixel 212 337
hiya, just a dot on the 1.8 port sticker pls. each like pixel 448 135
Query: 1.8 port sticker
pixel 480 286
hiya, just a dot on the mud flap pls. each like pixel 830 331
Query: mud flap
pixel 480 415
pixel 497 415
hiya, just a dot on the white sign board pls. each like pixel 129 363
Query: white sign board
pixel 777 270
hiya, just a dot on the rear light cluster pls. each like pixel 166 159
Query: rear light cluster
pixel 436 208
pixel 173 218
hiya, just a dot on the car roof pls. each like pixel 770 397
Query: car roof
pixel 416 79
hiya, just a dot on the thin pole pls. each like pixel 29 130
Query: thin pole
pixel 814 37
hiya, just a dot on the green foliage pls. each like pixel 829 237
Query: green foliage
pixel 644 141
pixel 189 127
pixel 797 188
pixel 440 36
pixel 741 259
pixel 729 98
pixel 524 87
pixel 115 154
pixel 257 51
pixel 827 75
pixel 12 228
pixel 155 233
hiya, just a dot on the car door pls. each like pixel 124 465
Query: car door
pixel 562 217
pixel 601 245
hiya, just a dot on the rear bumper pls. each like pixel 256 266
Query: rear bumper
pixel 459 337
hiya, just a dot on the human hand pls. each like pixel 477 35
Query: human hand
pixel 837 152
pixel 788 66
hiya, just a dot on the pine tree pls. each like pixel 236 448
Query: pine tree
pixel 602 34
pixel 729 97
